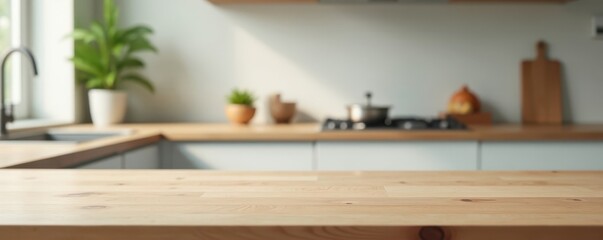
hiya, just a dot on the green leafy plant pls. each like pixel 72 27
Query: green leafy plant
pixel 241 97
pixel 105 54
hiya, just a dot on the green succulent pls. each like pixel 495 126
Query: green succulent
pixel 241 97
pixel 105 55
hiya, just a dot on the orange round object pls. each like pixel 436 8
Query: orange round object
pixel 464 102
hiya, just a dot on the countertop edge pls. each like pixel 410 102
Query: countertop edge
pixel 79 157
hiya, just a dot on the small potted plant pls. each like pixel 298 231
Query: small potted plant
pixel 105 57
pixel 240 109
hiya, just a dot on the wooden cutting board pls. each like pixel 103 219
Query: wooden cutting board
pixel 541 89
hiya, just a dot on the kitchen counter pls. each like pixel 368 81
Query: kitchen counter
pixel 120 205
pixel 48 154
pixel 54 155
pixel 312 132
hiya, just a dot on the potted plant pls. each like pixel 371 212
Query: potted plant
pixel 240 109
pixel 105 58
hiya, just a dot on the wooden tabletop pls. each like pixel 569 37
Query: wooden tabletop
pixel 42 203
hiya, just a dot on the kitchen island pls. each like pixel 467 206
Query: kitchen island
pixel 136 205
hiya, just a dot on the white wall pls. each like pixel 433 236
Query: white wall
pixel 325 56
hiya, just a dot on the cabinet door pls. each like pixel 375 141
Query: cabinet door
pixel 542 155
pixel 350 156
pixel 113 162
pixel 243 156
pixel 142 158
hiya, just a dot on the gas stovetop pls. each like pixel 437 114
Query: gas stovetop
pixel 394 124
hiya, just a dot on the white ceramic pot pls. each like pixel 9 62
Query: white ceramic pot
pixel 107 107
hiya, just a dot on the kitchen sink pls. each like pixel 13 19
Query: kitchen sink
pixel 62 136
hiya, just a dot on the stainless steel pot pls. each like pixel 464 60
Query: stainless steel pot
pixel 368 113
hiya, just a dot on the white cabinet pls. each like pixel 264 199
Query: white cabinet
pixel 542 155
pixel 354 156
pixel 113 162
pixel 260 156
pixel 346 156
pixel 142 158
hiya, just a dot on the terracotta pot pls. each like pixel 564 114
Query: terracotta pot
pixel 464 102
pixel 239 114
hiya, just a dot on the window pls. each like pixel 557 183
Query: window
pixel 12 35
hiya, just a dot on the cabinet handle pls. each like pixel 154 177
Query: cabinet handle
pixel 432 233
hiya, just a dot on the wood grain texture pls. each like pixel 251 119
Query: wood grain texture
pixel 62 204
pixel 542 101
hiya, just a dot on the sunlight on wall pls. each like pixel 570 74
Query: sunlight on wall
pixel 325 56
pixel 277 74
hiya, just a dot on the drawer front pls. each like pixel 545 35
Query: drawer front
pixel 243 156
pixel 346 156
pixel 542 155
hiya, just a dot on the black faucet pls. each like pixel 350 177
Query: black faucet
pixel 7 115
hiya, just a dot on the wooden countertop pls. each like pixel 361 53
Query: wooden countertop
pixel 40 154
pixel 64 204
pixel 54 155
pixel 312 132
pixel 297 132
